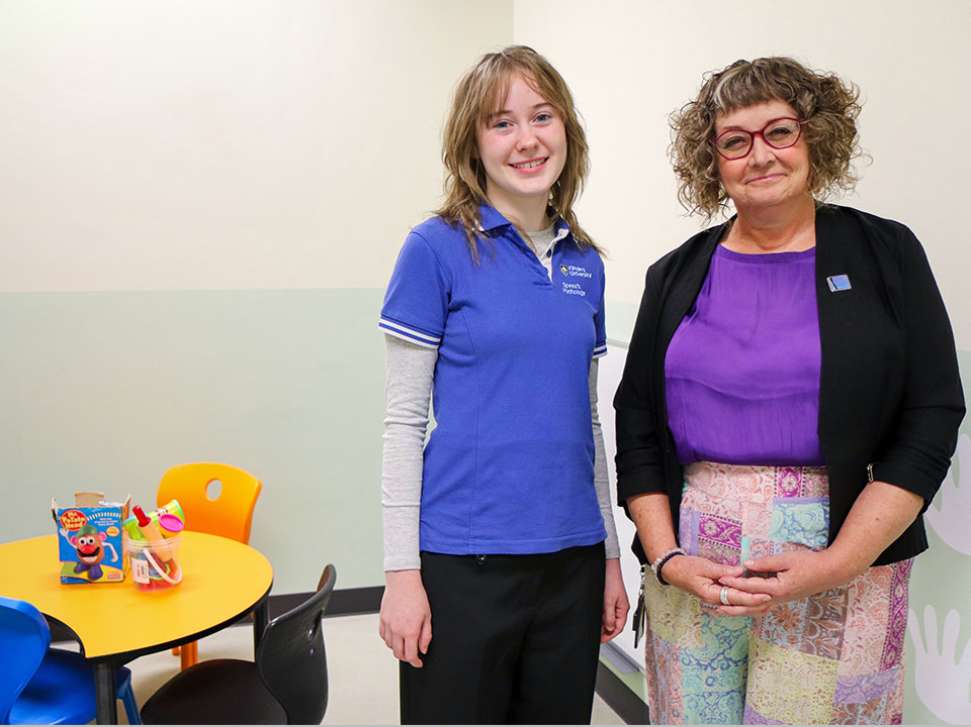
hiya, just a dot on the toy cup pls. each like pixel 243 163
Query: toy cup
pixel 155 564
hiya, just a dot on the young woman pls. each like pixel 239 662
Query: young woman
pixel 501 558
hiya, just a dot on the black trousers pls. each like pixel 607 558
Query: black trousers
pixel 515 639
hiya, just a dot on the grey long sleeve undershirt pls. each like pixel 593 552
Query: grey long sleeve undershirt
pixel 409 373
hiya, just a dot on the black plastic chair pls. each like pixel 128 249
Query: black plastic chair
pixel 287 684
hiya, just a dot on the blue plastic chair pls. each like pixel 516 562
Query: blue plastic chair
pixel 41 685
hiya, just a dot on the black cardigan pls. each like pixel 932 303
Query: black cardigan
pixel 890 393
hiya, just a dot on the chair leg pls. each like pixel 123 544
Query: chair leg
pixel 190 654
pixel 131 707
pixel 127 696
pixel 176 650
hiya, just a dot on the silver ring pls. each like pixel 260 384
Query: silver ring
pixel 723 596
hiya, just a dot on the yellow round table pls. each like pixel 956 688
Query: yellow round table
pixel 223 580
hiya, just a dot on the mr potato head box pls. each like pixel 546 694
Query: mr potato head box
pixel 90 539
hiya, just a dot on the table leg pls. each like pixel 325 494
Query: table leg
pixel 261 617
pixel 104 690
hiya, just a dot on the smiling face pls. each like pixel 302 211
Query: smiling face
pixel 766 177
pixel 88 546
pixel 522 147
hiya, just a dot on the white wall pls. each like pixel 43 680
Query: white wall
pixel 200 205
pixel 631 63
pixel 222 144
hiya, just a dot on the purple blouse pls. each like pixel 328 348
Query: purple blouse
pixel 742 370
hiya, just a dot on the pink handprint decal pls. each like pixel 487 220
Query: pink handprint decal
pixel 941 680
pixel 948 514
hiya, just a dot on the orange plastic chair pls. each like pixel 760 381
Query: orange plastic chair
pixel 229 514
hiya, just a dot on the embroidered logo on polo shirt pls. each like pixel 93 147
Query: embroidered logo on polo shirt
pixel 575 271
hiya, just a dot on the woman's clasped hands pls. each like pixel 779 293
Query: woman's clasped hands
pixel 704 578
pixel 759 584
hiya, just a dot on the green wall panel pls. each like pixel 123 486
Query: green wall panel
pixel 106 390
pixel 939 673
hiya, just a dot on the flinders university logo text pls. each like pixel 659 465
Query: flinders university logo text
pixel 574 271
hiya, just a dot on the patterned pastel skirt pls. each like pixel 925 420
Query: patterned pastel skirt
pixel 832 658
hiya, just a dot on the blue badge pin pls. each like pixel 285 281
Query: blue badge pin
pixel 837 283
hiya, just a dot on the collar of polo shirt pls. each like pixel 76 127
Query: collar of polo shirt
pixel 492 219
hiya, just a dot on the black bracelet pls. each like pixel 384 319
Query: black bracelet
pixel 660 565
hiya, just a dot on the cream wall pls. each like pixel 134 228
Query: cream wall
pixel 200 204
pixel 631 63
pixel 218 144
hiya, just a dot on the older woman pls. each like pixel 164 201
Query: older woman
pixel 789 407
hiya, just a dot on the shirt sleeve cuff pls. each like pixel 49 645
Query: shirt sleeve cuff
pixel 412 335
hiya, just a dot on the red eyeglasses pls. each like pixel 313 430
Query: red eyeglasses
pixel 779 134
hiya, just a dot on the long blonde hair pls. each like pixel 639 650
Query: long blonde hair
pixel 478 94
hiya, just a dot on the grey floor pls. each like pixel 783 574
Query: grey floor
pixel 363 674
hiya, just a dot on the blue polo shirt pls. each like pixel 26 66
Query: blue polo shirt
pixel 509 465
